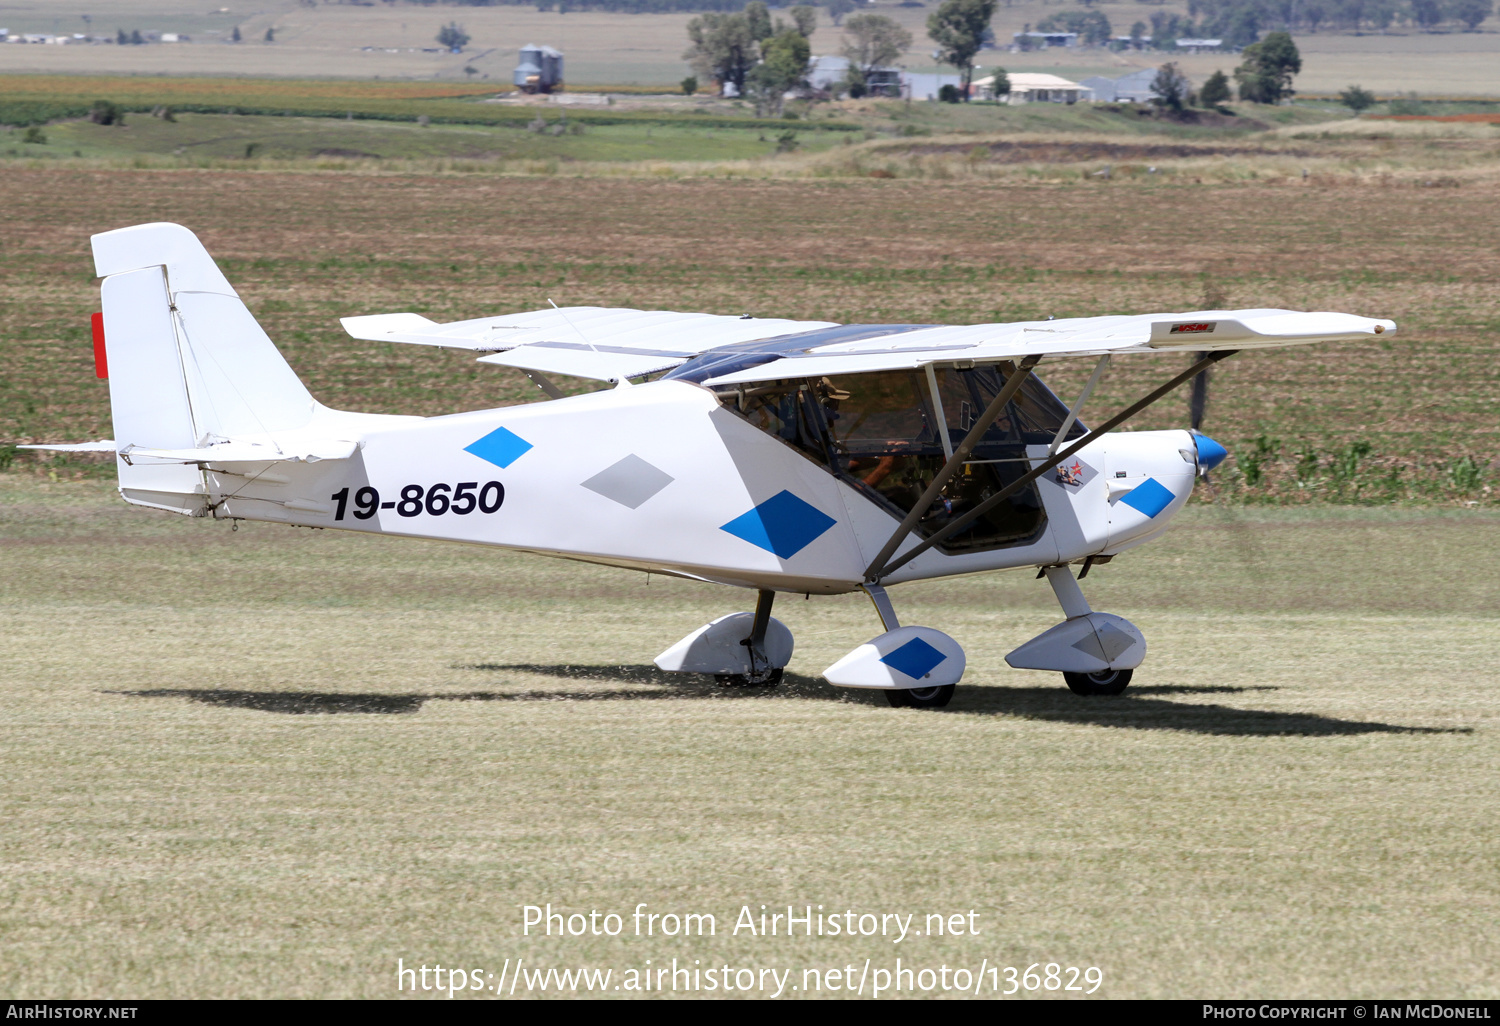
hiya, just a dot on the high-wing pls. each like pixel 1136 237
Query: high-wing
pixel 584 341
pixel 1204 330
pixel 610 344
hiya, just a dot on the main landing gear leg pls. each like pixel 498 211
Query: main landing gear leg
pixel 762 673
pixel 1074 605
pixel 906 698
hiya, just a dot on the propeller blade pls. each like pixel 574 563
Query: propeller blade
pixel 1198 404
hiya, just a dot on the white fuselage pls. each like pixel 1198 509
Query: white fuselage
pixel 661 477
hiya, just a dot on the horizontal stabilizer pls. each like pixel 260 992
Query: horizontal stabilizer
pixel 103 445
pixel 247 452
pixel 410 328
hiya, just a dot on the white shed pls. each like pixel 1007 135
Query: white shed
pixel 1029 87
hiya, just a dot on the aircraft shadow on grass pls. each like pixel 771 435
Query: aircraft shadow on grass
pixel 1140 708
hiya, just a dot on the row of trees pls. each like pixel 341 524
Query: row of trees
pixel 836 8
pixel 1228 19
pixel 1264 76
pixel 764 60
pixel 759 57
pixel 1240 23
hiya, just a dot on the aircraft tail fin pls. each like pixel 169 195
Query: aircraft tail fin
pixel 189 367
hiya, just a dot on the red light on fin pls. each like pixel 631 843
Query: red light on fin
pixel 101 363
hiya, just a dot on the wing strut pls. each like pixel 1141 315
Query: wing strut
pixel 879 568
pixel 1013 381
pixel 1088 390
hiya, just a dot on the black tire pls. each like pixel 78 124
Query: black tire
pixel 1105 682
pixel 741 680
pixel 921 698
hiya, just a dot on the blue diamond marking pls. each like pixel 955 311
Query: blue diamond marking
pixel 502 447
pixel 783 525
pixel 916 658
pixel 1150 497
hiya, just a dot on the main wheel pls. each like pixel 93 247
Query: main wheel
pixel 1105 682
pixel 769 679
pixel 920 698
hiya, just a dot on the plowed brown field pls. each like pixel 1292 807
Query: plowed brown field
pixel 305 249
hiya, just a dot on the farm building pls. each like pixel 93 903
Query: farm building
pixel 1042 40
pixel 830 73
pixel 926 87
pixel 1028 87
pixel 540 70
pixel 1202 45
pixel 1132 88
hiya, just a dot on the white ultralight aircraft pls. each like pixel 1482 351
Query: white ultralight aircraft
pixel 782 456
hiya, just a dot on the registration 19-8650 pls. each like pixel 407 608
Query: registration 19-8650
pixel 463 498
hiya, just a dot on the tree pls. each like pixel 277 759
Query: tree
pixel 783 67
pixel 135 38
pixel 1002 83
pixel 1169 88
pixel 837 9
pixel 1469 12
pixel 690 85
pixel 804 20
pixel 723 48
pixel 1266 74
pixel 1357 99
pixel 872 41
pixel 453 37
pixel 234 37
pixel 1427 12
pixel 958 28
pixel 759 17
pixel 1138 34
pixel 1215 90
pixel 104 112
pixel 271 34
pixel 122 38
pixel 1093 27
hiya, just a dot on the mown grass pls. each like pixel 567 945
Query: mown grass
pixel 269 763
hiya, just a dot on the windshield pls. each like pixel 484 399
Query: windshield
pixel 883 433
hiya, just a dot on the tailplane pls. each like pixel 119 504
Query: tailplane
pixel 192 376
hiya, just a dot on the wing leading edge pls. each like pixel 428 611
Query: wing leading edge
pixel 1199 331
pixel 613 344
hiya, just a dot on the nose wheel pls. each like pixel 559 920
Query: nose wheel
pixel 1105 682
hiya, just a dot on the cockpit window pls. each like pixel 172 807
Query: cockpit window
pixel 883 434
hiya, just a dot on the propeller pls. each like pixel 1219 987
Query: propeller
pixel 1210 453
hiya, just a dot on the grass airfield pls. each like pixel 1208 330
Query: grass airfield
pixel 271 762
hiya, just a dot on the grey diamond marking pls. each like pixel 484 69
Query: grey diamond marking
pixel 629 482
pixel 1106 642
pixel 1114 641
pixel 1089 645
